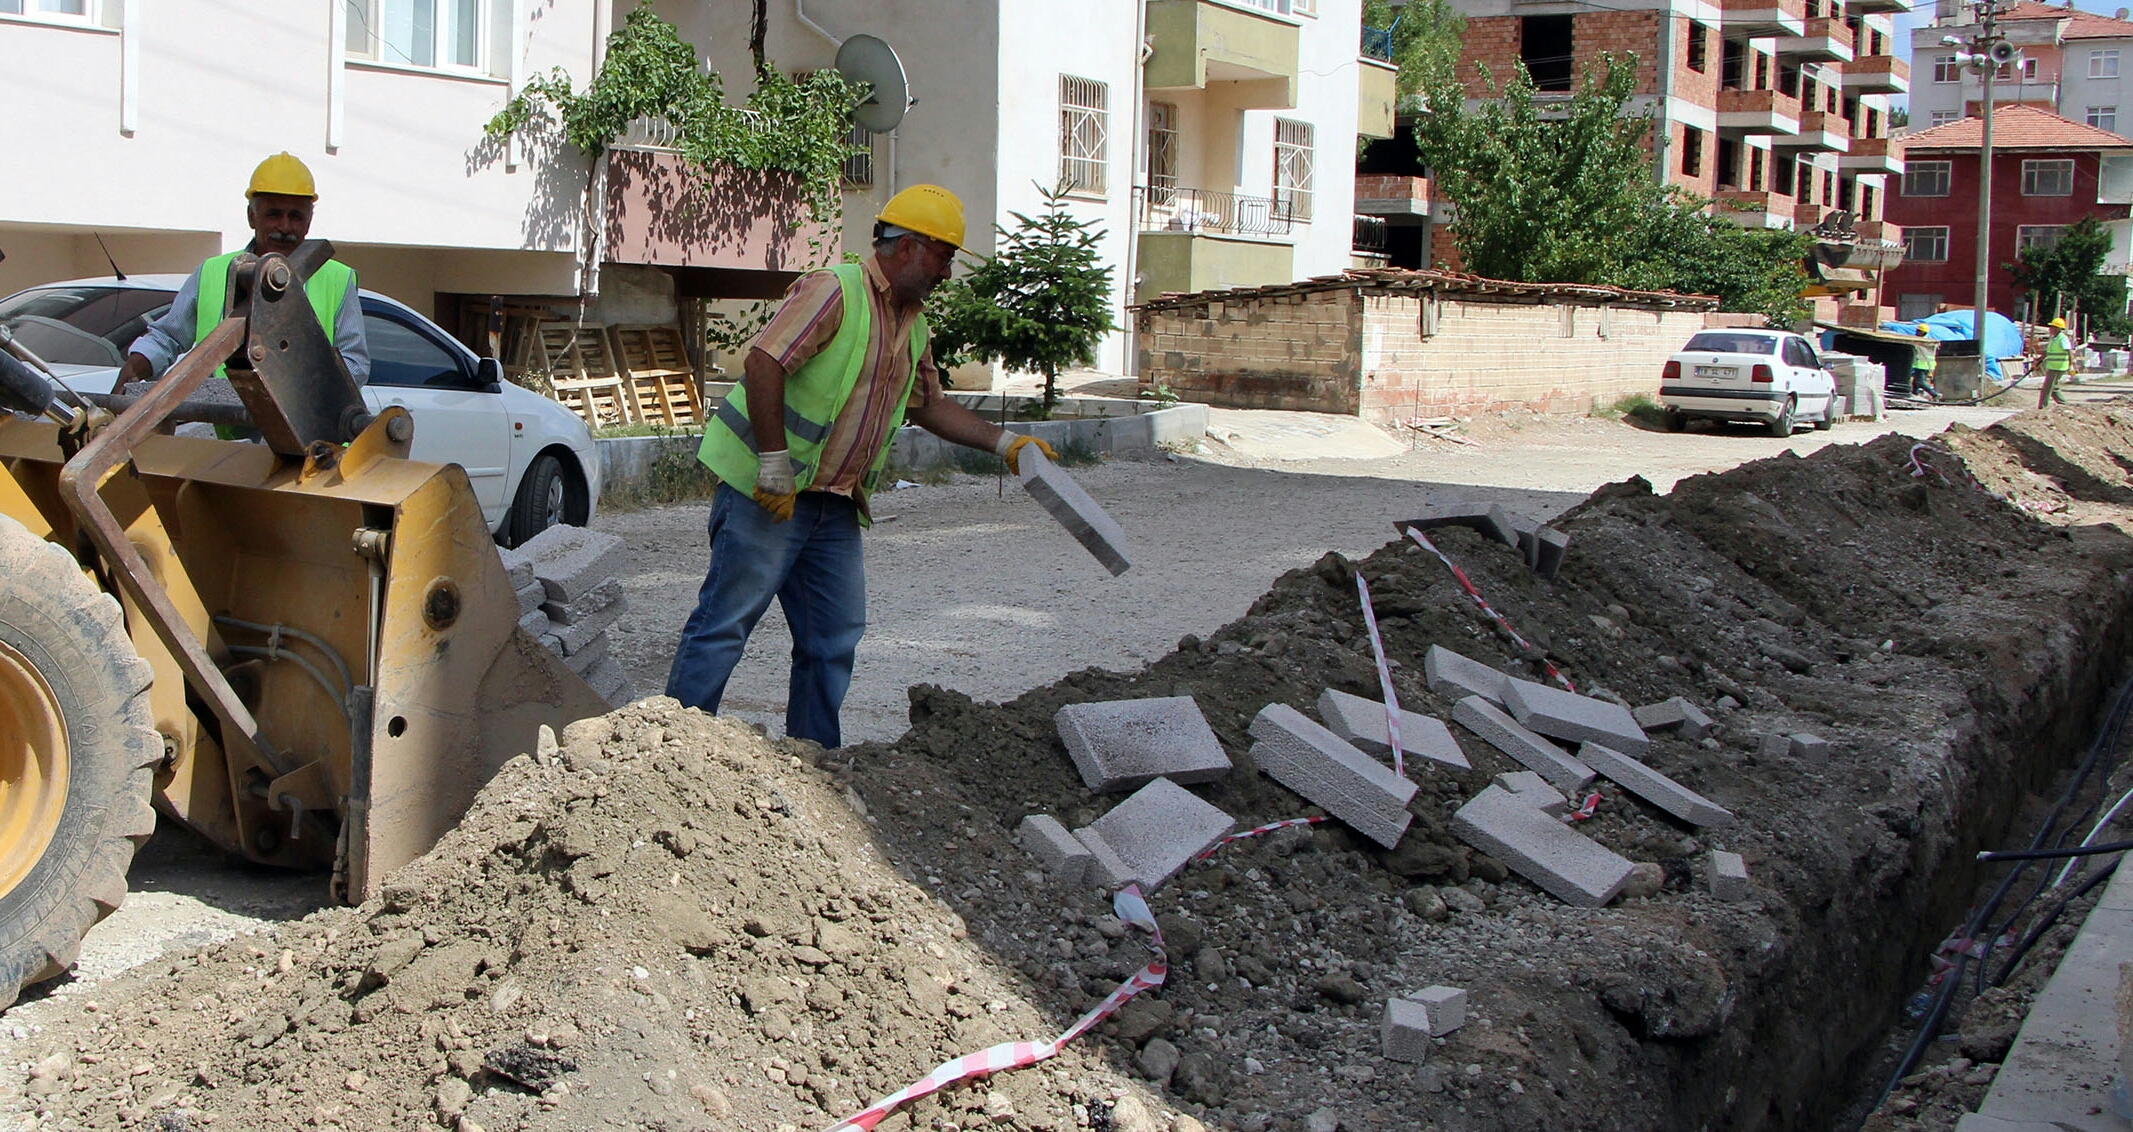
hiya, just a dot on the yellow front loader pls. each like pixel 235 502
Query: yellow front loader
pixel 305 650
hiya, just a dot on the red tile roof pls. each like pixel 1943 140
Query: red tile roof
pixel 2017 127
pixel 2082 25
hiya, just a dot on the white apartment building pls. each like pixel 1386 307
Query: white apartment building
pixel 1213 140
pixel 2078 65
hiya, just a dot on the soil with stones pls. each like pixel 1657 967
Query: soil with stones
pixel 673 923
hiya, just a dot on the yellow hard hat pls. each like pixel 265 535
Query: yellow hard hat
pixel 282 174
pixel 2058 324
pixel 1923 332
pixel 928 210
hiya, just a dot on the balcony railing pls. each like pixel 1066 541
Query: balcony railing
pixel 1370 235
pixel 1377 43
pixel 1179 209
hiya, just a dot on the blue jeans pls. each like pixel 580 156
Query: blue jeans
pixel 813 565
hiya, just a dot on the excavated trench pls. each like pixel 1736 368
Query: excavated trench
pixel 1951 632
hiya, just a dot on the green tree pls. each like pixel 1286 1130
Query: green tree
pixel 1041 304
pixel 1563 191
pixel 2068 276
pixel 1424 36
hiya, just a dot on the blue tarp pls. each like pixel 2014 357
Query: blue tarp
pixel 2002 339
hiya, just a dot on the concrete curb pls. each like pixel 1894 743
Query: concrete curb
pixel 628 460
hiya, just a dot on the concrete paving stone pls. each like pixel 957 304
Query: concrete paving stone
pixel 1328 771
pixel 1676 712
pixel 1549 547
pixel 517 567
pixel 580 633
pixel 1533 752
pixel 1558 714
pixel 1446 1007
pixel 535 622
pixel 584 659
pixel 611 682
pixel 1121 745
pixel 1452 676
pixel 1729 876
pixel 1810 749
pixel 1403 1034
pixel 531 596
pixel 1979 1122
pixel 572 560
pixel 1079 514
pixel 1563 862
pixel 1155 832
pixel 1535 790
pixel 1106 868
pixel 1654 787
pixel 1362 722
pixel 1776 746
pixel 1063 855
pixel 594 602
pixel 1488 518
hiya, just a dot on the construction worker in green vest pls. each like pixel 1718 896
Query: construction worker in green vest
pixel 1923 364
pixel 2058 359
pixel 278 208
pixel 801 442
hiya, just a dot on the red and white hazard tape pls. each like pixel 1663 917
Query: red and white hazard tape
pixel 1392 701
pixel 1589 808
pixel 1467 585
pixel 1262 830
pixel 1130 907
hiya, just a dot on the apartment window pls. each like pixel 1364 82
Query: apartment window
pixel 1784 174
pixel 1926 245
pixel 1728 164
pixel 1303 7
pixel 859 167
pixel 2104 118
pixel 70 10
pixel 1699 47
pixel 1732 65
pixel 1866 203
pixel 1945 70
pixel 1911 308
pixel 1084 133
pixel 1162 152
pixel 1926 178
pixel 1755 170
pixel 1789 80
pixel 2048 178
pixel 1848 194
pixel 1544 44
pixel 1691 151
pixel 2024 70
pixel 2037 236
pixel 417 33
pixel 1943 117
pixel 2103 63
pixel 1829 189
pixel 1293 168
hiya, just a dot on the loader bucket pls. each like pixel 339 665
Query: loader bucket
pixel 338 666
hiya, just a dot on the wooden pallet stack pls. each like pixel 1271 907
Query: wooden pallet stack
pixel 657 375
pixel 609 375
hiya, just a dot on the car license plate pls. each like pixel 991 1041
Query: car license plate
pixel 1714 371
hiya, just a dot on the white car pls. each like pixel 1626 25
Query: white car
pixel 1768 377
pixel 531 462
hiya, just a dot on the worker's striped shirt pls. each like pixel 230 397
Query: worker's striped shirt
pixel 813 310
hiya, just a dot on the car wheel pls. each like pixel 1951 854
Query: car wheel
pixel 1782 425
pixel 1829 412
pixel 543 499
pixel 1675 422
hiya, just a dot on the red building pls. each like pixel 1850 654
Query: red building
pixel 2047 173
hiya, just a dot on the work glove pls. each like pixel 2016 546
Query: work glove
pixel 1009 448
pixel 773 484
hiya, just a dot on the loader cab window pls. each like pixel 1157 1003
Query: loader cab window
pixel 402 354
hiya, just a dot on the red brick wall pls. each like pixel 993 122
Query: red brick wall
pixel 1620 33
pixel 1699 88
pixel 1491 40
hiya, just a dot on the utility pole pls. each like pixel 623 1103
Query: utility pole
pixel 1985 51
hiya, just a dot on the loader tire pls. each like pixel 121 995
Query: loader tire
pixel 78 753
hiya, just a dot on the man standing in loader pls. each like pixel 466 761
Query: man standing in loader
pixel 280 199
pixel 801 441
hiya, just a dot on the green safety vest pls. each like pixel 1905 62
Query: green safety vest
pixel 1923 359
pixel 814 395
pixel 327 288
pixel 2058 353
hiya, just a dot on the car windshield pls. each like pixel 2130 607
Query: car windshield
pixel 82 325
pixel 1721 343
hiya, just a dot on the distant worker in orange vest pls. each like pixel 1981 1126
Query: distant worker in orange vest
pixel 278 208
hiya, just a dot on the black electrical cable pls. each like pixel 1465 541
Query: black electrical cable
pixel 2044 923
pixel 1929 1027
pixel 2057 854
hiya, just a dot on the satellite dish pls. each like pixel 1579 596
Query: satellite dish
pixel 870 62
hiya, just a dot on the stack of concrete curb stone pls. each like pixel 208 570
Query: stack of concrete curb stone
pixel 1541 546
pixel 569 586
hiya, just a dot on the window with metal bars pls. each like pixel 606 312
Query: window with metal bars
pixel 1294 168
pixel 1084 134
pixel 859 167
pixel 1162 152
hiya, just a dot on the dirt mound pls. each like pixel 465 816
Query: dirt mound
pixel 1946 642
pixel 672 923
